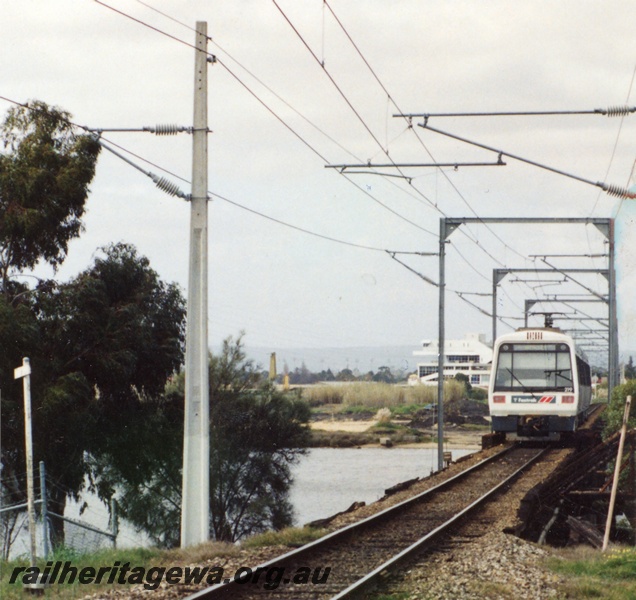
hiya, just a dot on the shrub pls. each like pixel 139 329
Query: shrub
pixel 614 414
pixel 383 416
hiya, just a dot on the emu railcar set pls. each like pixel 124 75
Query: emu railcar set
pixel 540 384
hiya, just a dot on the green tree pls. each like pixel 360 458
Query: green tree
pixel 256 434
pixel 45 170
pixel 384 375
pixel 462 378
pixel 613 416
pixel 630 369
pixel 345 375
pixel 98 345
pixel 302 376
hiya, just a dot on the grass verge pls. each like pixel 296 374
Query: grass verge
pixel 147 558
pixel 291 536
pixel 589 573
pixel 139 557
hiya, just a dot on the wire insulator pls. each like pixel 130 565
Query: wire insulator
pixel 167 186
pixel 616 190
pixel 169 129
pixel 618 111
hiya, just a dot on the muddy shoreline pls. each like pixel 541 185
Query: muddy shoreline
pixel 361 433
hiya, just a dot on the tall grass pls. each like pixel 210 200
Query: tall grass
pixel 373 395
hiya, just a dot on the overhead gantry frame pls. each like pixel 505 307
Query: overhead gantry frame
pixel 449 224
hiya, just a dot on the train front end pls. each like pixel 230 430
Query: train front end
pixel 534 385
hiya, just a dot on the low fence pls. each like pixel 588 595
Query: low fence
pixel 78 535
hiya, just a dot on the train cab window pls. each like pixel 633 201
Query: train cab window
pixel 527 367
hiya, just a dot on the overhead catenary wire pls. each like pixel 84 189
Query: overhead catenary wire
pixel 612 111
pixel 386 151
pixel 612 190
pixel 331 79
pixel 163 129
pixel 391 100
pixel 161 182
pixel 363 190
pixel 468 254
pixel 348 102
pixel 377 141
pixel 618 134
pixel 267 107
pixel 167 186
pixel 469 263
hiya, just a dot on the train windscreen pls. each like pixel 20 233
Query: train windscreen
pixel 534 367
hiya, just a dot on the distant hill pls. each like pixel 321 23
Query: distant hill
pixel 362 359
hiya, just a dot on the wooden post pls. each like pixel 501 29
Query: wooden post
pixel 617 472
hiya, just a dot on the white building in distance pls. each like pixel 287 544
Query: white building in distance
pixel 471 356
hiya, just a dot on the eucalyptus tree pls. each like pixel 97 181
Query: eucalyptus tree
pixel 46 166
pixel 256 434
pixel 99 344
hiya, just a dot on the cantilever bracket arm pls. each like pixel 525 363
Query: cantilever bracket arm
pixel 612 190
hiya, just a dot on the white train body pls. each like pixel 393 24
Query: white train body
pixel 540 385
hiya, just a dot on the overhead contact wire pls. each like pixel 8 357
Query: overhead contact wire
pixel 392 100
pixel 305 142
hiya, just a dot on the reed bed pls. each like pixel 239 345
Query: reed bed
pixel 374 395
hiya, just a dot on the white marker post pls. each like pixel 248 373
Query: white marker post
pixel 24 372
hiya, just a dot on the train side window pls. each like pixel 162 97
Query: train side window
pixel 585 376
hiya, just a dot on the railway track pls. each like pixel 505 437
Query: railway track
pixel 350 560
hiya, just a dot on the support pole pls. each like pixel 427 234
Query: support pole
pixel 43 508
pixel 195 502
pixel 617 472
pixel 494 309
pixel 114 521
pixel 24 372
pixel 441 344
pixel 613 367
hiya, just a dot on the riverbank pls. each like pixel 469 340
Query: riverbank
pixel 341 433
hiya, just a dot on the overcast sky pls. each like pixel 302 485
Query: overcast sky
pixel 285 287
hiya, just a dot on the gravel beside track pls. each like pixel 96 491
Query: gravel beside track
pixel 481 561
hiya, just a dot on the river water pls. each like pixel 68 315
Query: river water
pixel 326 481
pixel 329 480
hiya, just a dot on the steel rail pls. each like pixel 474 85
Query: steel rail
pixel 371 578
pixel 218 590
